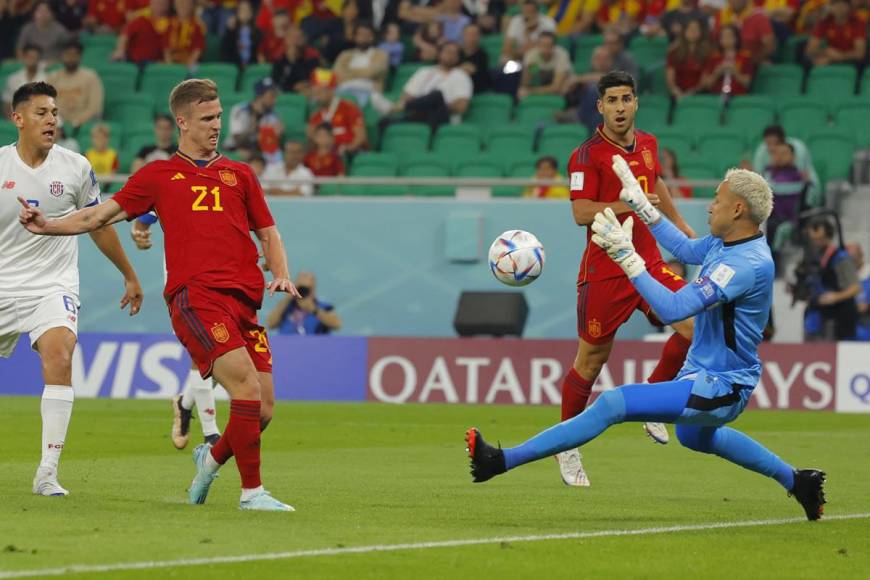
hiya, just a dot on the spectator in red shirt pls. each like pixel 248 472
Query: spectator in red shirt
pixel 344 116
pixel 756 31
pixel 729 71
pixel 686 61
pixel 322 160
pixel 844 34
pixel 267 11
pixel 184 40
pixel 108 16
pixel 272 47
pixel 624 15
pixel 141 41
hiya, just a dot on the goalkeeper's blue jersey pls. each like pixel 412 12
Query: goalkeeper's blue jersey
pixel 736 283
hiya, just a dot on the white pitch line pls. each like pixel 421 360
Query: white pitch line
pixel 122 566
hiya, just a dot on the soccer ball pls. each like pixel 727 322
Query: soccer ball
pixel 516 258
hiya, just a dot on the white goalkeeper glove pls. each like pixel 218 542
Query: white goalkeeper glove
pixel 615 239
pixel 632 194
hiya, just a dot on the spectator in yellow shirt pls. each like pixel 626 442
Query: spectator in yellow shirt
pixel 103 158
pixel 547 168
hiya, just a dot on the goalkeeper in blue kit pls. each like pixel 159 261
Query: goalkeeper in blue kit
pixel 731 301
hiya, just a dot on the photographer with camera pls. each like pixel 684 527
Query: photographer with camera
pixel 306 315
pixel 830 285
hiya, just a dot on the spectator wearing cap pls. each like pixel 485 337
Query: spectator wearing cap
pixel 44 31
pixel 33 71
pixel 344 116
pixel 254 122
pixel 184 40
pixel 79 89
pixel 141 41
pixel 362 69
pixel 840 37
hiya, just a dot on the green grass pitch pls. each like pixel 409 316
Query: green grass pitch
pixel 378 475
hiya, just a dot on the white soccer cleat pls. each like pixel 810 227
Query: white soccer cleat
pixel 571 468
pixel 658 432
pixel 45 483
pixel 264 502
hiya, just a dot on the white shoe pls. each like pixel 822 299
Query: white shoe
pixel 658 432
pixel 264 502
pixel 45 483
pixel 571 468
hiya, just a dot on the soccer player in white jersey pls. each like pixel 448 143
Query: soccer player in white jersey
pixel 197 390
pixel 39 279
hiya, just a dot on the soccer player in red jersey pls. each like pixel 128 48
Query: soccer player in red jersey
pixel 207 206
pixel 606 298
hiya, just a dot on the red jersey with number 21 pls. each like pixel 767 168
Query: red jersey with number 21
pixel 207 214
pixel 592 177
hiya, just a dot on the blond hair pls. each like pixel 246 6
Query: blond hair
pixel 754 189
pixel 191 92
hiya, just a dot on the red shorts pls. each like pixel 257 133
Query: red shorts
pixel 210 323
pixel 605 305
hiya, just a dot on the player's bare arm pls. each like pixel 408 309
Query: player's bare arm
pixel 276 262
pixel 666 206
pixel 141 234
pixel 585 209
pixel 106 239
pixel 79 222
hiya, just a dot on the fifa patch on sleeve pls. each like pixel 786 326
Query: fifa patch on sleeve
pixel 706 291
pixel 722 275
pixel 577 179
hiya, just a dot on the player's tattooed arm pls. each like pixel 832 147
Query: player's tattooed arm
pixel 667 207
pixel 84 220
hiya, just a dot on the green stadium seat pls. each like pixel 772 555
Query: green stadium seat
pixel 212 52
pixel 588 41
pixel 655 81
pixel 224 74
pixel 428 167
pixel 854 118
pixel 464 138
pixel 652 111
pixel 649 51
pixel 478 168
pixel 535 109
pixel 97 56
pixel 865 85
pixel 373 165
pixel 98 41
pixel 491 45
pixel 694 168
pixel 132 109
pixel 490 109
pixel 582 59
pixel 119 79
pixel 250 75
pixel 511 139
pixel 750 114
pixel 697 113
pixel 133 142
pixel 560 140
pixel 520 171
pixel 8 132
pixel 779 80
pixel 158 80
pixel 722 148
pixel 115 139
pixel 832 82
pixel 834 148
pixel 523 163
pixel 406 138
pixel 678 141
pixel 802 116
pixel 388 162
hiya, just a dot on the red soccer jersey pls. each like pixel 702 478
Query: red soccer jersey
pixel 344 117
pixel 592 178
pixel 183 38
pixel 687 72
pixel 207 214
pixel 145 38
pixel 326 165
pixel 841 37
pixel 742 62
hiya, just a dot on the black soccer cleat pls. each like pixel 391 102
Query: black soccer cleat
pixel 212 439
pixel 486 461
pixel 809 491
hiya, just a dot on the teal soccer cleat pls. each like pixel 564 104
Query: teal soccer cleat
pixel 264 502
pixel 201 483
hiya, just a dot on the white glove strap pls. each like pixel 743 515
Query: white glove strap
pixel 633 265
pixel 648 213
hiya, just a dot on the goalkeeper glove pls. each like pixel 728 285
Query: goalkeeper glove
pixel 615 239
pixel 632 194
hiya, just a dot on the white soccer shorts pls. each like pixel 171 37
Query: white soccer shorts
pixel 36 315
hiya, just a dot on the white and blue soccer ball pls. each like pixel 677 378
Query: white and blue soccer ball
pixel 516 258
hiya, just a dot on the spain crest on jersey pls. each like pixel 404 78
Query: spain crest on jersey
pixel 55 188
pixel 228 177
pixel 648 159
pixel 594 328
pixel 220 332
